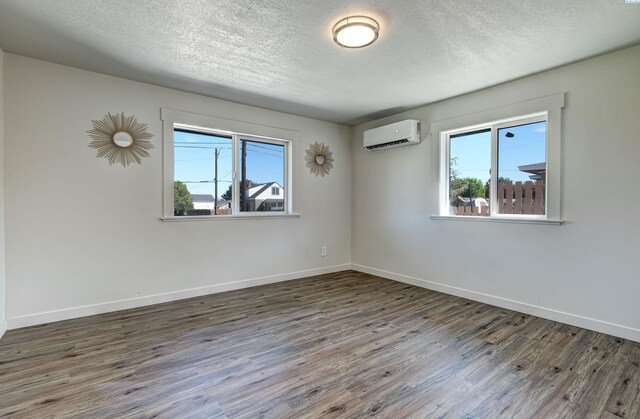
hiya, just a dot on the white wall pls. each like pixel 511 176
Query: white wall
pixel 584 272
pixel 3 323
pixel 85 237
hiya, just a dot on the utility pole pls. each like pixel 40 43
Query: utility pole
pixel 215 182
pixel 243 178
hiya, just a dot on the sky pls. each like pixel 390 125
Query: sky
pixel 194 162
pixel 472 152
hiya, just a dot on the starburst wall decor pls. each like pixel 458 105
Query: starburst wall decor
pixel 319 159
pixel 120 139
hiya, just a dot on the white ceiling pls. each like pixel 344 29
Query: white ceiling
pixel 280 54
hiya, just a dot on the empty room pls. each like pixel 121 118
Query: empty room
pixel 303 209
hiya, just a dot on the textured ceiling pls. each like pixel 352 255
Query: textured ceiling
pixel 280 54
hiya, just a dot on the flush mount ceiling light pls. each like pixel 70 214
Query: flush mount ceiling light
pixel 355 32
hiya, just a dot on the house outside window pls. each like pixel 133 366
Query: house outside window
pixel 261 197
pixel 220 170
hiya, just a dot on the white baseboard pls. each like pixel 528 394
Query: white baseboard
pixel 3 327
pixel 88 310
pixel 546 313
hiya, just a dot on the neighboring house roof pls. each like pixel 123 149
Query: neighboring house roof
pixel 256 190
pixel 204 198
pixel 201 198
pixel 537 170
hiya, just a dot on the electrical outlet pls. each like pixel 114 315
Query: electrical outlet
pixel 323 251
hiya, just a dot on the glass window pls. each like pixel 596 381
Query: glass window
pixel 262 168
pixel 203 171
pixel 224 168
pixel 207 164
pixel 470 172
pixel 522 168
pixel 498 169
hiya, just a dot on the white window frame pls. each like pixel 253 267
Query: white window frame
pixel 547 108
pixel 238 130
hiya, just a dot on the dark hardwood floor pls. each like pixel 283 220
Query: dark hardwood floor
pixel 340 345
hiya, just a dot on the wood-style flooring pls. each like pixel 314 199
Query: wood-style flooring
pixel 340 345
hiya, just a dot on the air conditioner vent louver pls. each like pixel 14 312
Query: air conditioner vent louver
pixel 399 134
pixel 389 144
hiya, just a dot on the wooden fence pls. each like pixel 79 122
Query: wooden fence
pixel 221 211
pixel 513 198
pixel 469 210
pixel 521 198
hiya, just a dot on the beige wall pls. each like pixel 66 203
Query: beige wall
pixel 583 272
pixel 85 237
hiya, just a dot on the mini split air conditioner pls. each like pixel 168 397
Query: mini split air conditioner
pixel 394 135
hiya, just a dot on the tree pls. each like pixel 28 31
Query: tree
pixel 229 193
pixel 181 198
pixel 488 184
pixel 453 173
pixel 467 187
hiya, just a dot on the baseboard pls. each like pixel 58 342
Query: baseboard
pixel 88 310
pixel 546 313
pixel 3 328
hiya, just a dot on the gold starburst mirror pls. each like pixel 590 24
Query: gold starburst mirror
pixel 319 159
pixel 120 139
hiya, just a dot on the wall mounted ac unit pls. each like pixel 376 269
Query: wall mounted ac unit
pixel 394 135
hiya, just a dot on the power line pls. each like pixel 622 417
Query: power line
pixel 206 158
pixel 223 148
pixel 202 181
pixel 202 146
pixel 264 154
pixel 200 142
pixel 274 152
pixel 265 147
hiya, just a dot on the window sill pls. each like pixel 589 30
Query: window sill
pixel 227 217
pixel 497 219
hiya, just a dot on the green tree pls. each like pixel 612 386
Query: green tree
pixel 181 198
pixel 227 195
pixel 488 184
pixel 467 187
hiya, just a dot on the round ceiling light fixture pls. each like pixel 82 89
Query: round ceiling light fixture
pixel 355 32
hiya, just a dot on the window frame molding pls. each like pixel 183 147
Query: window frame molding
pixel 551 106
pixel 172 118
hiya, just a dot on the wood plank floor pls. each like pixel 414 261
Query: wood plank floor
pixel 341 345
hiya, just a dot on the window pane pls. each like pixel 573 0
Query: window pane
pixel 469 173
pixel 522 168
pixel 261 176
pixel 202 173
